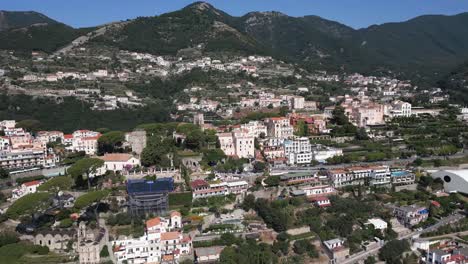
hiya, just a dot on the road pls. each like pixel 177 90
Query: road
pixel 444 221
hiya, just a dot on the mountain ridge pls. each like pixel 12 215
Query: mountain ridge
pixel 422 44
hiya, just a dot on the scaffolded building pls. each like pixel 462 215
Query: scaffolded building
pixel 149 197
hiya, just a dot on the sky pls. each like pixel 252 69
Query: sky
pixel 354 13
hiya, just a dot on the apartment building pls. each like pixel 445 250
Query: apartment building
pixel 255 129
pixel 237 143
pixel 203 189
pixel 162 240
pixel 279 127
pixel 411 215
pixel 371 175
pixel 298 150
pixel 18 159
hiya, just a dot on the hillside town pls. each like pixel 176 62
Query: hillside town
pixel 119 148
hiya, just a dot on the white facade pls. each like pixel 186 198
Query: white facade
pixel 400 109
pixel 279 127
pixel 161 241
pixel 378 223
pixel 237 143
pixel 255 128
pixel 298 150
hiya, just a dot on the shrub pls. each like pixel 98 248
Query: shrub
pixel 104 252
pixel 90 198
pixel 66 223
pixel 27 204
pixel 60 182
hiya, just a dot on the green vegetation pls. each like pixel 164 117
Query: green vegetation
pixel 62 183
pixel 4 173
pixel 28 204
pixel 248 252
pixel 215 201
pixel 110 142
pixel 304 246
pixel 392 252
pixel 180 199
pixel 11 253
pixel 83 169
pixel 52 115
pixel 90 198
pixel 272 180
pixel 104 252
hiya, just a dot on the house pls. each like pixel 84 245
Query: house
pixel 321 201
pixel 161 243
pixel 208 254
pixel 279 127
pixel 24 189
pixel 411 215
pixel 64 200
pixel 336 250
pixel 378 223
pixel 119 161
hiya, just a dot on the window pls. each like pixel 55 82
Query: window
pixel 447 178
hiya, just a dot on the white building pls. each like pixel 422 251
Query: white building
pixel 378 223
pixel 297 102
pixel 161 242
pixel 255 128
pixel 119 161
pixel 279 127
pixel 454 180
pixel 322 153
pixel 237 143
pixel 24 189
pixel 400 109
pixel 298 150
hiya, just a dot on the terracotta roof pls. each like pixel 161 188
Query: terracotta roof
pixel 31 183
pixel 116 157
pixel 198 183
pixel 170 236
pixel 68 136
pixel 168 257
pixel 153 222
pixel 175 213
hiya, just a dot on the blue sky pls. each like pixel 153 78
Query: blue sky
pixel 355 13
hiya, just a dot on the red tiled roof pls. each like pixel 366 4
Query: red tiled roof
pixel 31 183
pixel 198 183
pixel 175 213
pixel 153 222
pixel 170 236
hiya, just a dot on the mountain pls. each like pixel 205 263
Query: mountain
pixel 18 19
pixel 27 31
pixel 197 25
pixel 425 47
pixel 456 84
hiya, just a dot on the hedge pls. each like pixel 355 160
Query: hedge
pixel 180 199
pixel 90 198
pixel 60 182
pixel 28 179
pixel 27 204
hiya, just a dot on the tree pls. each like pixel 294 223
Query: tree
pixel 339 117
pixel 272 180
pixel 259 166
pixel 249 202
pixel 228 256
pixel 361 134
pixel 392 252
pixel 29 125
pixel 110 142
pixel 4 173
pixel 418 162
pixel 370 260
pixel 84 169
